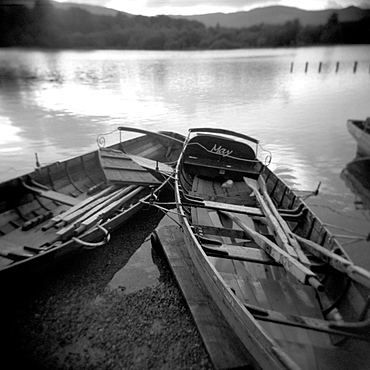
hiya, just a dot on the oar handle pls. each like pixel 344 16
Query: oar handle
pixel 315 284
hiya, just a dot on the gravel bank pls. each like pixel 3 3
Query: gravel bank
pixel 69 319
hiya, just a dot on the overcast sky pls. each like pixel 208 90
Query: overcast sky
pixel 188 7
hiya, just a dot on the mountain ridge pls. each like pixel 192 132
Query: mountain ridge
pixel 277 15
pixel 93 9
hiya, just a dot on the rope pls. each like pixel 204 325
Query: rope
pixel 88 245
pixel 344 229
pixel 164 210
pixel 355 237
pixel 310 192
pixel 353 241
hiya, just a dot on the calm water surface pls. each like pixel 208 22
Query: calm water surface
pixel 55 103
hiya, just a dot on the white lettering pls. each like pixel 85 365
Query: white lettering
pixel 221 151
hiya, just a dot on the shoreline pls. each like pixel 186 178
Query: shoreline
pixel 68 318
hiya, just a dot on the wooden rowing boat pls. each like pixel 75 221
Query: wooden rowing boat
pixel 360 130
pixel 59 208
pixel 282 281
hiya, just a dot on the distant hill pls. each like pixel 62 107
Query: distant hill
pixel 267 15
pixel 73 26
pixel 278 15
pixel 93 9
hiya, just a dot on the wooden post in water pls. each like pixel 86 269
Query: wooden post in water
pixel 291 67
pixel 306 68
pixel 355 67
pixel 337 68
pixel 320 65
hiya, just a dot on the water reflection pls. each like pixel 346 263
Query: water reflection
pixel 57 102
pixel 139 272
pixel 356 175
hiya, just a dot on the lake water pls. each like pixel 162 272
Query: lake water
pixel 55 103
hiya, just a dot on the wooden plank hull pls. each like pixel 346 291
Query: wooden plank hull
pixel 282 320
pixel 59 209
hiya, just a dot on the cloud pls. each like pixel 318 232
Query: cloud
pixel 337 4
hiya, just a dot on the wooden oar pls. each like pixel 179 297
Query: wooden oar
pixel 290 236
pixel 93 207
pixel 356 273
pixel 358 330
pixel 75 208
pixel 199 202
pixel 68 231
pixel 272 221
pixel 296 268
pixel 105 212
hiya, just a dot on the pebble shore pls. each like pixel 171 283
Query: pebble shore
pixel 69 319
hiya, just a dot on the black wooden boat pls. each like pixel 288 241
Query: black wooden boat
pixel 58 209
pixel 282 281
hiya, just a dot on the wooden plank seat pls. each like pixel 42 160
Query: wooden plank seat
pixel 240 253
pixel 120 168
pixel 198 202
pixel 202 230
pixel 225 232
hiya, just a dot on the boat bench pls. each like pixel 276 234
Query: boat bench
pixel 241 253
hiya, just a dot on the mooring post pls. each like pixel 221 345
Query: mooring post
pixel 306 69
pixel 291 67
pixel 320 65
pixel 337 68
pixel 355 67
